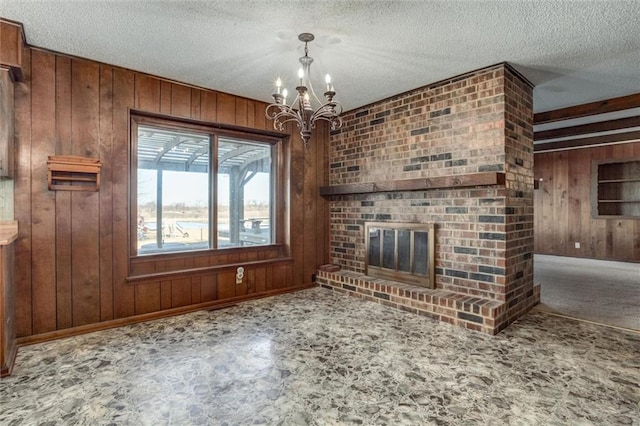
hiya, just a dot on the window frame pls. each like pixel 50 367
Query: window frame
pixel 215 132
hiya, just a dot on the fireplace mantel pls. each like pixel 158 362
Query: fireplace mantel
pixel 418 184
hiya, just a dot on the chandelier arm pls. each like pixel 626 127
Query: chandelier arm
pixel 336 122
pixel 328 110
pixel 285 114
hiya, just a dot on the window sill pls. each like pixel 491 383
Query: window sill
pixel 188 254
pixel 194 272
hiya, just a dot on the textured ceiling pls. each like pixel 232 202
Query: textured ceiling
pixel 574 51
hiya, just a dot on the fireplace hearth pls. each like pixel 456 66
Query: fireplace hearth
pixel 402 252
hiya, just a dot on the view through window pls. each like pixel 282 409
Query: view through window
pixel 184 201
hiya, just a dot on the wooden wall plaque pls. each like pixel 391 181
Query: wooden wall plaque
pixel 73 173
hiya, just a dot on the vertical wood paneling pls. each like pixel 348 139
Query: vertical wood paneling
pixel 243 288
pixel 583 195
pixel 296 198
pixel 209 106
pixel 226 285
pixel 251 114
pixel 165 97
pixel 180 292
pixel 85 213
pixel 226 108
pixel 123 99
pixel 622 237
pixel 322 179
pixel 260 277
pixel 544 235
pixel 106 192
pixel 280 276
pixel 259 118
pixel 196 294
pixel 563 207
pixel 560 200
pixel 269 277
pixel 283 211
pixel 43 203
pixel 63 198
pixel 72 253
pixel 208 288
pixel 147 93
pixel 600 227
pixel 577 173
pixel 165 295
pixel 310 189
pixel 636 224
pixel 180 100
pixel 147 298
pixel 22 199
pixel 196 104
pixel 147 295
pixel 241 112
pixel 250 282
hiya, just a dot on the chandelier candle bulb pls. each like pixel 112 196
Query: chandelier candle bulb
pixel 284 96
pixel 278 84
pixel 300 75
pixel 327 79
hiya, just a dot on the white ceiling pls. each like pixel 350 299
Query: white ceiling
pixel 574 51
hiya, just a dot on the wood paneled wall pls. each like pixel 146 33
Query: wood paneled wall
pixel 72 261
pixel 563 207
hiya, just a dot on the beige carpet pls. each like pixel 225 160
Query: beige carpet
pixel 600 291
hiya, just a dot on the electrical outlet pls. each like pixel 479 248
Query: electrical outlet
pixel 239 275
pixel 577 245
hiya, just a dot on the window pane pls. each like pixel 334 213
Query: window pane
pixel 389 249
pixel 421 252
pixel 404 250
pixel 244 193
pixel 173 190
pixel 374 247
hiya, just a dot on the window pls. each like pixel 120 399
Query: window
pixel 185 201
pixel 617 189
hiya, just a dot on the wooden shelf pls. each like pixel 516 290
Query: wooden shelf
pixel 457 181
pixel 617 189
pixel 73 173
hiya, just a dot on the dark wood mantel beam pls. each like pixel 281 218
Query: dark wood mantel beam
pixel 458 181
pixel 586 110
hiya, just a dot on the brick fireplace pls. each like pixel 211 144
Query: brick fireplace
pixel 458 154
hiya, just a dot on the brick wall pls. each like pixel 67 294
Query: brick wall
pixel 477 122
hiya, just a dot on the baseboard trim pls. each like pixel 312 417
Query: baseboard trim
pixel 90 328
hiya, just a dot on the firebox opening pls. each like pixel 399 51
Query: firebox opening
pixel 401 252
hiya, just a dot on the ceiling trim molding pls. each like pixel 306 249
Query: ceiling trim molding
pixel 583 129
pixel 617 138
pixel 589 109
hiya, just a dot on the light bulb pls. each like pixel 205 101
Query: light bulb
pixel 278 84
pixel 327 79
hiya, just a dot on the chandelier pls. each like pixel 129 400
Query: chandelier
pixel 306 108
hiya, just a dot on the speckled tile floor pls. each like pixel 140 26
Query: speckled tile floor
pixel 321 358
